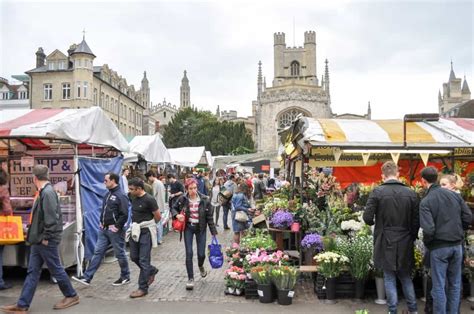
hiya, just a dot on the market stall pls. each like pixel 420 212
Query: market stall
pixel 191 156
pixel 150 148
pixel 332 165
pixel 62 139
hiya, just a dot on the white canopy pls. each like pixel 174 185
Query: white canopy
pixel 151 147
pixel 89 126
pixel 189 156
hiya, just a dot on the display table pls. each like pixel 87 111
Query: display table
pixel 278 236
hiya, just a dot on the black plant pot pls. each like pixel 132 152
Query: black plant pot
pixel 285 297
pixel 265 293
pixel 331 289
pixel 359 288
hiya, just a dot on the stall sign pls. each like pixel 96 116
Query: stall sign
pixel 27 162
pixel 21 177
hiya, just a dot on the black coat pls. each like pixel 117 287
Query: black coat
pixel 206 212
pixel 395 208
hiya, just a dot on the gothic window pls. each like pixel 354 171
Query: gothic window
pixel 287 118
pixel 295 68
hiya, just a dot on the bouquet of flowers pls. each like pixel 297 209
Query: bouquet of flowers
pixel 235 277
pixel 262 257
pixel 331 264
pixel 351 225
pixel 282 219
pixel 364 192
pixel 284 277
pixel 361 259
pixel 261 274
pixel 233 255
pixel 312 240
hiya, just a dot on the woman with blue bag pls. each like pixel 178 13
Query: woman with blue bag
pixel 195 211
pixel 240 211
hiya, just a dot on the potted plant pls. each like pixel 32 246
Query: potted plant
pixel 282 219
pixel 330 265
pixel 235 279
pixel 360 260
pixel 311 244
pixel 469 263
pixel 261 275
pixel 284 278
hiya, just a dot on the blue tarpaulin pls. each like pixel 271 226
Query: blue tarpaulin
pixel 92 191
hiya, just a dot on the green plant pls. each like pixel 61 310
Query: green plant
pixel 361 257
pixel 364 311
pixel 259 239
pixel 284 277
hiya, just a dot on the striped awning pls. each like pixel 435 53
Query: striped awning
pixel 88 126
pixel 444 133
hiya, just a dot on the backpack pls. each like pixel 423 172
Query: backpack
pixel 224 197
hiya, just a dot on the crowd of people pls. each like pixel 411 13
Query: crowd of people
pixel 135 209
pixel 395 211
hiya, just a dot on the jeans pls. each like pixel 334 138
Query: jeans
pixel 159 231
pixel 105 238
pixel 2 283
pixel 390 279
pixel 217 209
pixel 189 233
pixel 40 254
pixel 446 264
pixel 140 254
pixel 226 209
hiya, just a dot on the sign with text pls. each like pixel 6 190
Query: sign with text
pixel 21 176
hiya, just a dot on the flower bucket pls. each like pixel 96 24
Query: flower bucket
pixel 359 288
pixel 265 293
pixel 295 227
pixel 380 286
pixel 230 290
pixel 285 297
pixel 331 290
pixel 309 256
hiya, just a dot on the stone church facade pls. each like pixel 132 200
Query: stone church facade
pixel 295 90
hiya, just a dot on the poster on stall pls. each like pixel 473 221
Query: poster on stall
pixel 61 171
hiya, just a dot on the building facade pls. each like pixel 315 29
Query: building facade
pixel 15 95
pixel 295 90
pixel 73 81
pixel 455 92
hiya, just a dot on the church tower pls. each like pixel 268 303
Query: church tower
pixel 145 92
pixel 455 92
pixel 185 91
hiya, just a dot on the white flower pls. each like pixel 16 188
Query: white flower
pixel 351 225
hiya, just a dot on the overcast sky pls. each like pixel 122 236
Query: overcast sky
pixel 394 54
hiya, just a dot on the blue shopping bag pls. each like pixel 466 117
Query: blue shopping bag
pixel 216 259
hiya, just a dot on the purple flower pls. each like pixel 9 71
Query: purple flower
pixel 282 219
pixel 312 240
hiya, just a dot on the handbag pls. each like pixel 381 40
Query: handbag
pixel 216 258
pixel 241 216
pixel 11 230
pixel 177 225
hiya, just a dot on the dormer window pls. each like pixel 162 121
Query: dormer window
pixel 62 65
pixel 51 65
pixel 295 68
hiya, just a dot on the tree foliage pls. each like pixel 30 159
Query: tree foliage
pixel 190 127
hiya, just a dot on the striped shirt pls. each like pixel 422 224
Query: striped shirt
pixel 194 211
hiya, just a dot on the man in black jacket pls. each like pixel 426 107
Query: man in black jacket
pixel 443 217
pixel 395 208
pixel 44 236
pixel 113 217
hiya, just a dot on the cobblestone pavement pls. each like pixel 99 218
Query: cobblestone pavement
pixel 170 282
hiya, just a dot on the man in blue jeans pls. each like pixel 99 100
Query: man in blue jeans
pixel 443 217
pixel 113 217
pixel 44 235
pixel 395 207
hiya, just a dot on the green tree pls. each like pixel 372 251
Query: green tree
pixel 190 127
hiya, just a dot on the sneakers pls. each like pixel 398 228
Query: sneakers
pixel 82 280
pixel 203 271
pixel 121 281
pixel 138 294
pixel 66 302
pixel 151 279
pixel 6 286
pixel 13 308
pixel 190 284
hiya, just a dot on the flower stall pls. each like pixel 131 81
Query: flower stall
pixel 334 164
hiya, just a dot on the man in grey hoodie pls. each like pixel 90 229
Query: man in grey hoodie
pixel 44 236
